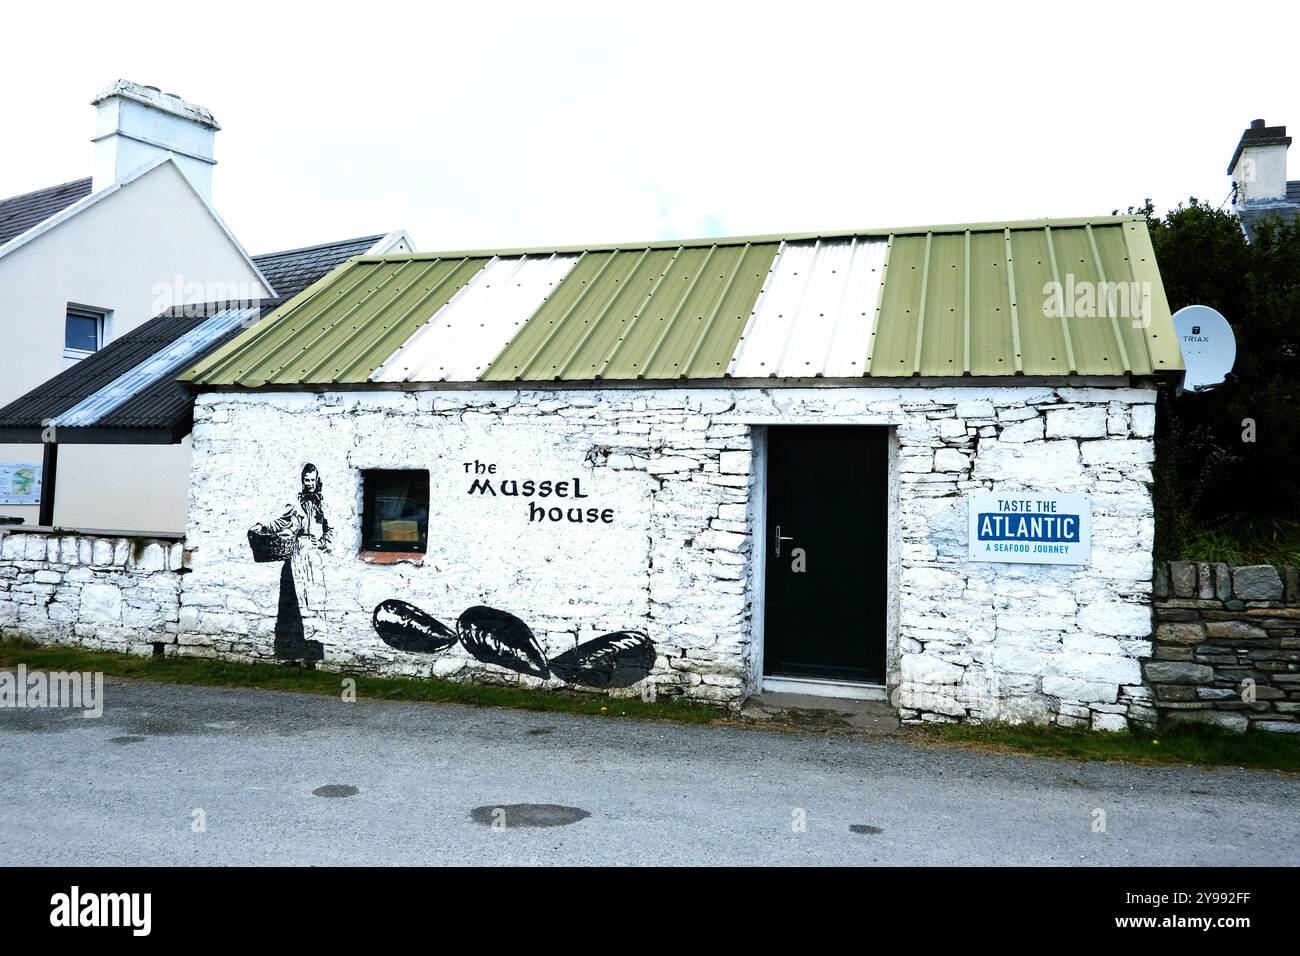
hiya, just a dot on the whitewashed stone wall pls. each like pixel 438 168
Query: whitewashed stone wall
pixel 112 593
pixel 967 640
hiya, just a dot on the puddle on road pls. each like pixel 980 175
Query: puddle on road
pixel 336 790
pixel 505 816
pixel 864 829
pixel 125 740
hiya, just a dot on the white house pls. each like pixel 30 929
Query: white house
pixel 1260 189
pixel 84 263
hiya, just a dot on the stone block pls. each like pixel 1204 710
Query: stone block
pixel 1204 580
pixel 1076 423
pixel 1117 452
pixel 1143 421
pixel 1182 578
pixel 1025 431
pixel 1079 689
pixel 1116 618
pixel 152 558
pixel 1234 630
pixel 1109 723
pixel 101 603
pixel 950 460
pixel 1276 726
pixel 1222 581
pixel 1291 585
pixel 1160 582
pixel 1257 582
pixel 1236 723
pixel 1177 672
pixel 928 669
pixel 1180 633
pixel 975 409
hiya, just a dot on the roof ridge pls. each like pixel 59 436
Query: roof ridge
pixel 770 238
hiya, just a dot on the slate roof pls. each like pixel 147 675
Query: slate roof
pixel 289 271
pixel 1252 214
pixel 162 410
pixel 161 413
pixel 292 270
pixel 20 213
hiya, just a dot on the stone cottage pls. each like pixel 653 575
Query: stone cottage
pixel 912 464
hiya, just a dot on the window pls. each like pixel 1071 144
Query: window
pixel 394 510
pixel 83 332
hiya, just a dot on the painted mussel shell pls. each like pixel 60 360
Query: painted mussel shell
pixel 611 660
pixel 405 627
pixel 497 637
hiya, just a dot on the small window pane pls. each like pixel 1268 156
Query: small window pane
pixel 81 332
pixel 395 510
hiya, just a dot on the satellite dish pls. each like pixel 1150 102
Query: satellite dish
pixel 1209 348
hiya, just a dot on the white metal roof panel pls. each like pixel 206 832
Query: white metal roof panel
pixel 816 314
pixel 463 337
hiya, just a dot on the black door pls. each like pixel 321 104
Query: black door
pixel 827 520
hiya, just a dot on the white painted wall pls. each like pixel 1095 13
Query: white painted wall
pixel 113 255
pixel 1260 173
pixel 1023 642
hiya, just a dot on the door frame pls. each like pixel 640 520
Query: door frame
pixel 758 594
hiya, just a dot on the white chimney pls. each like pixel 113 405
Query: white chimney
pixel 1258 167
pixel 137 124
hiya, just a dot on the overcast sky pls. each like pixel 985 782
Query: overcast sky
pixel 501 124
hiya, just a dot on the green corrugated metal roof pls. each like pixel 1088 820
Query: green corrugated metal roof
pixel 971 302
pixel 343 327
pixel 951 301
pixel 641 313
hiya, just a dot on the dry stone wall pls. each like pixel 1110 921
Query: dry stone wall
pixel 1227 646
pixel 107 592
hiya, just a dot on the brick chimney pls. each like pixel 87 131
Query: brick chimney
pixel 136 124
pixel 1258 167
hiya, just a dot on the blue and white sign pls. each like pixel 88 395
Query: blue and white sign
pixel 1023 528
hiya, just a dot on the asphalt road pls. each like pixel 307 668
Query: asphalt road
pixel 125 788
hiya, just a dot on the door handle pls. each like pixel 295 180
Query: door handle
pixel 779 538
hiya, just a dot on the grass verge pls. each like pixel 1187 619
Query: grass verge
pixel 204 672
pixel 1259 541
pixel 1203 746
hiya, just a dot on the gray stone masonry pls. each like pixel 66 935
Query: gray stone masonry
pixel 1227 646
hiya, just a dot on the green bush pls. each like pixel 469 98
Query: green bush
pixel 1217 492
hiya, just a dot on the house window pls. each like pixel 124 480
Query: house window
pixel 83 332
pixel 394 510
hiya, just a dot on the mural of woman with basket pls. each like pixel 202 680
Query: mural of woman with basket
pixel 297 537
